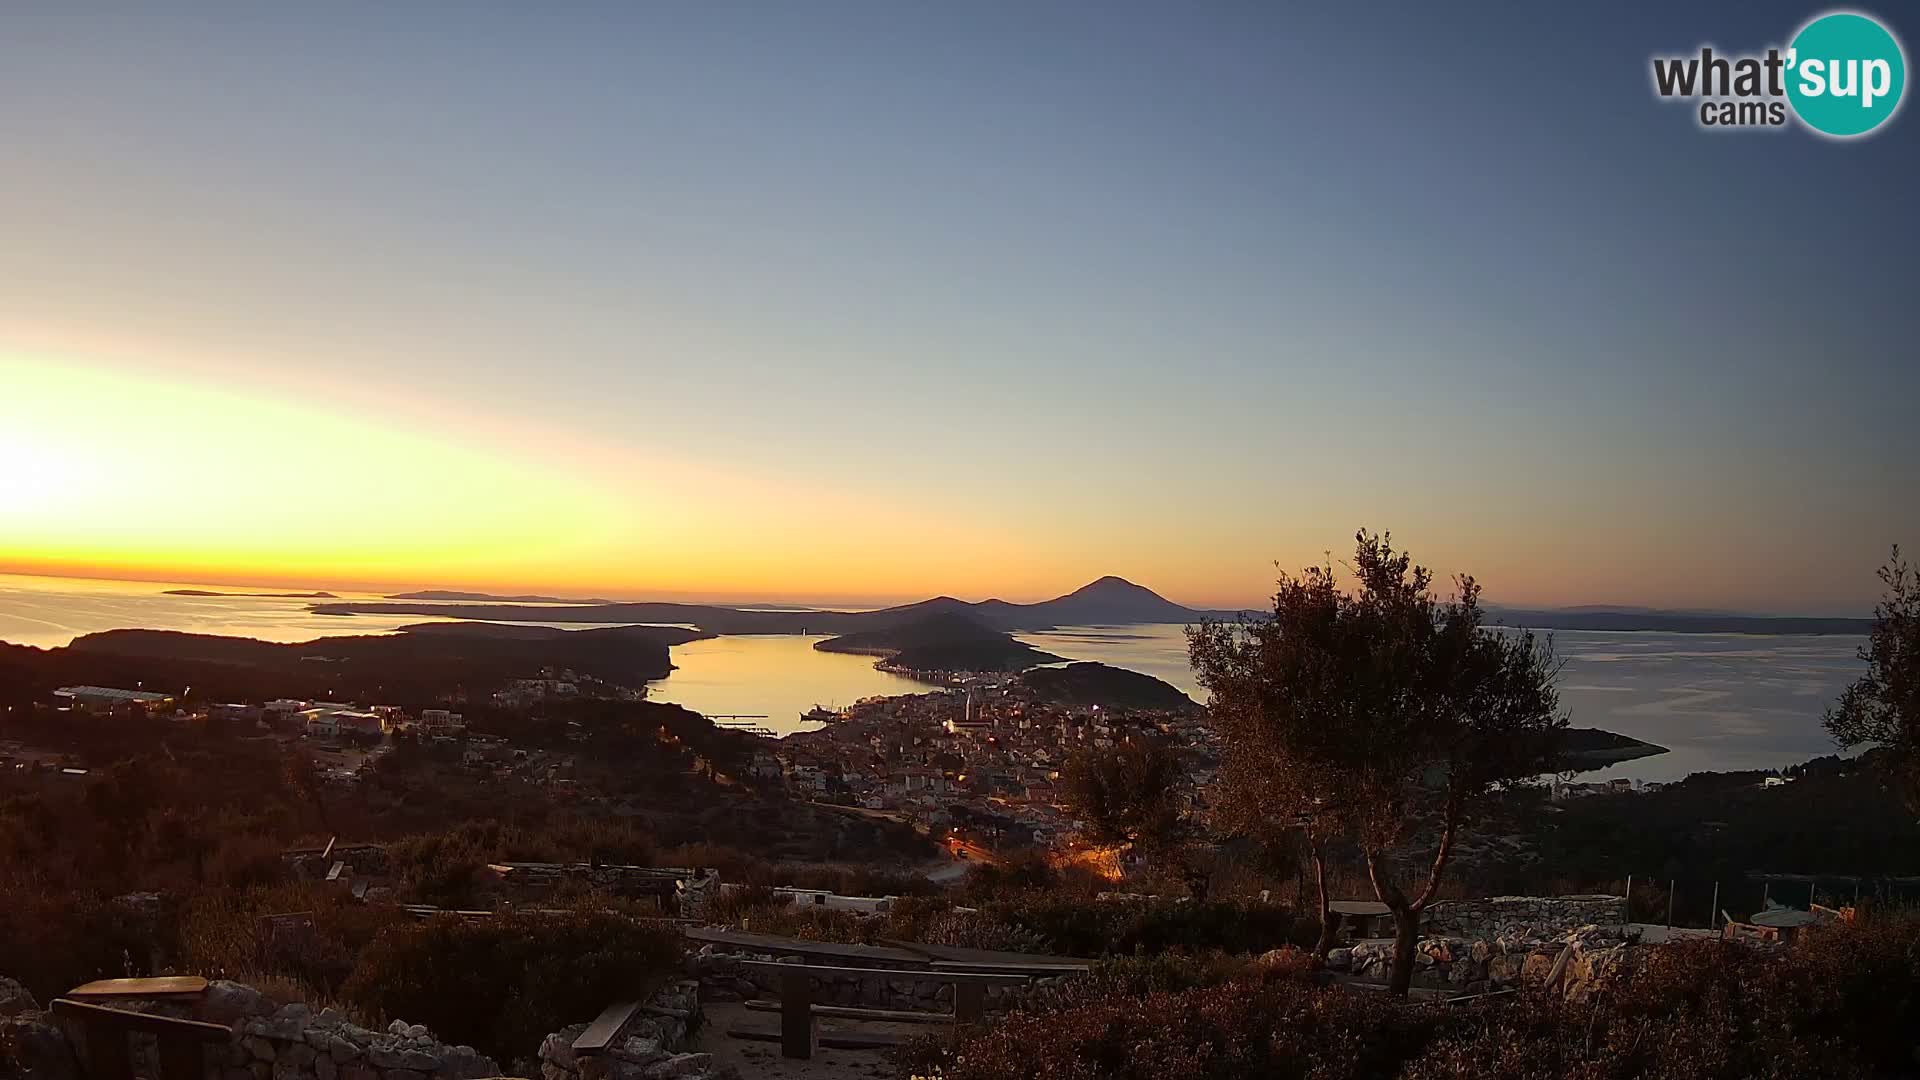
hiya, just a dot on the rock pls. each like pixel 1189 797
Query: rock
pixel 418 1031
pixel 329 1018
pixel 324 1068
pixel 286 1070
pixel 38 1047
pixel 260 1048
pixel 14 999
pixel 358 1072
pixel 680 1065
pixel 398 1027
pixel 405 1074
pixel 1340 959
pixel 550 1071
pixel 237 1073
pixel 1536 966
pixel 287 1030
pixel 395 1057
pixel 340 1050
pixel 299 1055
pixel 638 1051
pixel 558 1047
pixel 294 1011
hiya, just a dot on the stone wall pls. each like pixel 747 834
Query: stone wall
pixel 651 1047
pixel 278 1042
pixel 1577 963
pixel 1522 917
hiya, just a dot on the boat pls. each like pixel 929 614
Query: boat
pixel 821 715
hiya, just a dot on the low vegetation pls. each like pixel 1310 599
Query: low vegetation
pixel 502 984
pixel 1839 1003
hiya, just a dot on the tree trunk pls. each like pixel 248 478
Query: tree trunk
pixel 1406 936
pixel 1328 928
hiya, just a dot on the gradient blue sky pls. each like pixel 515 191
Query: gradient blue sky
pixel 883 300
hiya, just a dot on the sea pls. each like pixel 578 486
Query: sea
pixel 1716 701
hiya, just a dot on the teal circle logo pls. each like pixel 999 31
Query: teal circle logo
pixel 1846 74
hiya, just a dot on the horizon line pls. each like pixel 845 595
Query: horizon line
pixel 848 603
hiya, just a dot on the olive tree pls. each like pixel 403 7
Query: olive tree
pixel 1383 714
pixel 1131 796
pixel 1882 707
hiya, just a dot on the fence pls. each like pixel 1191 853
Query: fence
pixel 1703 903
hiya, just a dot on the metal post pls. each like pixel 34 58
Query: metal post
pixel 1811 886
pixel 1766 890
pixel 1713 913
pixel 1629 917
pixel 1669 903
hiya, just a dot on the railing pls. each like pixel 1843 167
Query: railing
pixel 103 1036
pixel 797 1008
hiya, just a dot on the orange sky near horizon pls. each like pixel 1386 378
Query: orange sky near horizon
pixel 218 479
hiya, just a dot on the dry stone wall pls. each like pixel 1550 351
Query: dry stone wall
pixel 276 1042
pixel 1522 917
pixel 1577 963
pixel 651 1048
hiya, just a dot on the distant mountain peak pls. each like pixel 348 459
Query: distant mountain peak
pixel 1112 585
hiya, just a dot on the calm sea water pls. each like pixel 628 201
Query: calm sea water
pixel 1718 701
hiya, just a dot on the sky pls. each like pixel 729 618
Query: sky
pixel 876 301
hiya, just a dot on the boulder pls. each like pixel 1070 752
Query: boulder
pixel 680 1065
pixel 39 1049
pixel 14 998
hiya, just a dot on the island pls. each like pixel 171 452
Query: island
pixel 1087 683
pixel 450 595
pixel 946 642
pixel 1592 748
pixel 268 595
pixel 420 662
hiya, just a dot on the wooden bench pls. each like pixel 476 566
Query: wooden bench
pixel 104 1031
pixel 606 1028
pixel 171 987
pixel 797 1008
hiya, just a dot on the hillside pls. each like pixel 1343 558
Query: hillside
pixel 1590 748
pixel 420 664
pixel 942 642
pixel 1107 601
pixel 1086 683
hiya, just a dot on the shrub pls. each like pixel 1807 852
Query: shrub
pixel 1843 1002
pixel 502 984
pixel 220 935
pixel 1235 1031
pixel 1081 927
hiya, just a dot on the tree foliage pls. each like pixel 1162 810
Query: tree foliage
pixel 1882 707
pixel 1369 713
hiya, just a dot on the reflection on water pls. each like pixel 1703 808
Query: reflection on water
pixel 1717 701
pixel 53 611
pixel 778 676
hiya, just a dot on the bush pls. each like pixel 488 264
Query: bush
pixel 1080 927
pixel 1235 1031
pixel 1843 1002
pixel 220 935
pixel 502 984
